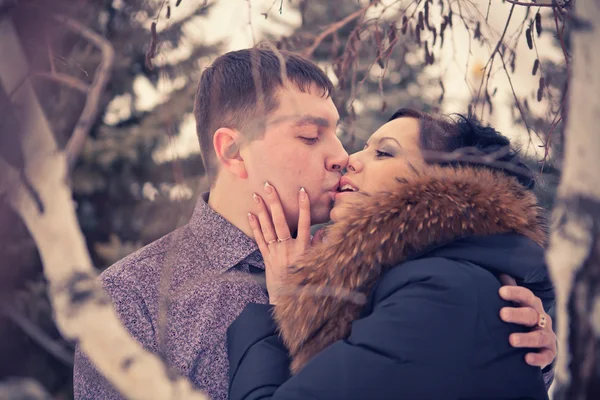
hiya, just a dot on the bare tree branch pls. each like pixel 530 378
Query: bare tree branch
pixel 333 28
pixel 574 251
pixel 82 310
pixel 65 79
pixel 101 77
pixel 501 40
pixel 560 34
pixel 250 22
pixel 50 58
pixel 38 335
pixel 539 3
pixel 22 389
pixel 512 88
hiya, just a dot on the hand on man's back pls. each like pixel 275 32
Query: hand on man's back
pixel 529 313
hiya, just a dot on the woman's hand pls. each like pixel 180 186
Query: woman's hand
pixel 529 313
pixel 274 239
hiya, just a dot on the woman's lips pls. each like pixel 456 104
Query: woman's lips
pixel 341 195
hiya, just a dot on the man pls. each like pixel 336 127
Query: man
pixel 283 133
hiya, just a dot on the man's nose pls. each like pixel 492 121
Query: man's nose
pixel 338 160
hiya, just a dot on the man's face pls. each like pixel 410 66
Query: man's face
pixel 299 148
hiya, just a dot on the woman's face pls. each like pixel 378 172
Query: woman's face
pixel 390 153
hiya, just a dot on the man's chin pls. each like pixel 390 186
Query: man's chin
pixel 320 215
pixel 334 215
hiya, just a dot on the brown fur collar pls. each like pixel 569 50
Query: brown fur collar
pixel 329 284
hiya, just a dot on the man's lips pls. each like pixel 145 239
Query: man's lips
pixel 333 191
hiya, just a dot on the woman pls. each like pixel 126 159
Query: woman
pixel 400 300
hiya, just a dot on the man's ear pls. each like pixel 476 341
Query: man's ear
pixel 227 143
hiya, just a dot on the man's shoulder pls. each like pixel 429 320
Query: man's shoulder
pixel 147 261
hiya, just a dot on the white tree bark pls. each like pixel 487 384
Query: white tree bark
pixel 82 310
pixel 574 252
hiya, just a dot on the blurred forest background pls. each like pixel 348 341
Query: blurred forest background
pixel 139 172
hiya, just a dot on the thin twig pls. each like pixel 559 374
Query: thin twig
pixel 559 33
pixel 501 40
pixel 250 22
pixel 65 79
pixel 512 88
pixel 549 139
pixel 23 388
pixel 517 36
pixel 39 336
pixel 266 13
pixel 490 63
pixel 557 119
pixel 333 28
pixel 469 51
pixel 541 4
pixel 50 58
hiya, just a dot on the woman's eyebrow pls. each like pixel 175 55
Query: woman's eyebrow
pixel 384 138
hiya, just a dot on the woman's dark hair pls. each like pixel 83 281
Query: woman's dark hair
pixel 444 135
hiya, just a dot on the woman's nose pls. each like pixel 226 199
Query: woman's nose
pixel 354 163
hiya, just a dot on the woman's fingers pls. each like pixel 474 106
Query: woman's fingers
pixel 536 339
pixel 264 219
pixel 526 316
pixel 258 235
pixel 541 359
pixel 282 230
pixel 523 296
pixel 303 218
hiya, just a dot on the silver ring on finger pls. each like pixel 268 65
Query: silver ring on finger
pixel 542 320
pixel 283 240
pixel 270 242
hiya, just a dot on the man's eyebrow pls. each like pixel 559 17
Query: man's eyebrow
pixel 305 120
pixel 312 120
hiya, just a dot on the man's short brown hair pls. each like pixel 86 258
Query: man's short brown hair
pixel 227 95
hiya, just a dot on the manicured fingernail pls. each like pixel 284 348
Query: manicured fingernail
pixel 256 198
pixel 250 217
pixel 268 188
pixel 303 195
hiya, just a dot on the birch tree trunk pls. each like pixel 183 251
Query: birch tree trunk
pixel 42 197
pixel 574 252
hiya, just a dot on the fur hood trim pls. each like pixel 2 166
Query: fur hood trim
pixel 329 285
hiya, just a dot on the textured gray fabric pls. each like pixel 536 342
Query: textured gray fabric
pixel 207 261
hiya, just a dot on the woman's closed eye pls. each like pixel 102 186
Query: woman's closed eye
pixel 382 153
